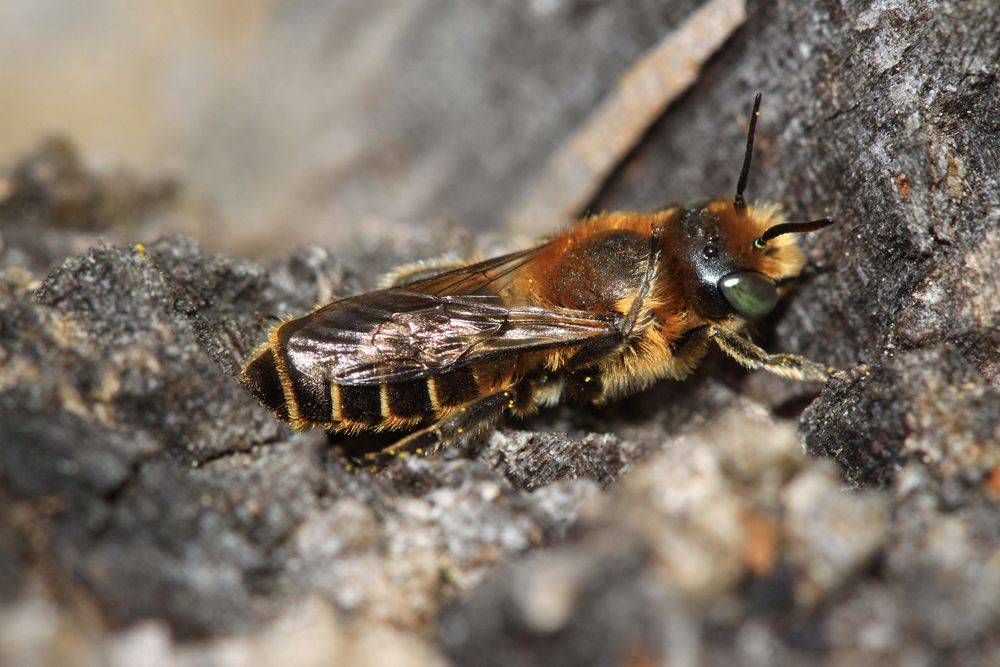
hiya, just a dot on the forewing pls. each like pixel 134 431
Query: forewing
pixel 398 334
pixel 488 277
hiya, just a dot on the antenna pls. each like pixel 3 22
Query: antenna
pixel 794 228
pixel 738 203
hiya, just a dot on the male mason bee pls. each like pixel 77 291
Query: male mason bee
pixel 601 310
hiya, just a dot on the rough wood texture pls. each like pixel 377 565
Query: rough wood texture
pixel 149 509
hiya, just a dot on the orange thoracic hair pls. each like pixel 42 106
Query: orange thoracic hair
pixel 569 272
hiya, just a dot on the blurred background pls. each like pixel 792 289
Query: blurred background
pixel 307 121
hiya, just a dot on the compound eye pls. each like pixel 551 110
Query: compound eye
pixel 751 294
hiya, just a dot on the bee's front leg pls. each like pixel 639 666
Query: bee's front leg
pixel 790 366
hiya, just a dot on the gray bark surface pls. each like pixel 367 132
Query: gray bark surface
pixel 150 508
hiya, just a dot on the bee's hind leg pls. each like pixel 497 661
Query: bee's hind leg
pixel 466 422
pixel 786 365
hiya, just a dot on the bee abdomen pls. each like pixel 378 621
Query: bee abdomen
pixel 356 404
pixel 454 388
pixel 261 377
pixel 292 396
pixel 408 400
pixel 304 401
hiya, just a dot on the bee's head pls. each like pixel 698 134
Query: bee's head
pixel 738 256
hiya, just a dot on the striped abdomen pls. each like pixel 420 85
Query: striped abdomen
pixel 394 358
pixel 302 401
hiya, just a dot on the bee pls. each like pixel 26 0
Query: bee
pixel 597 312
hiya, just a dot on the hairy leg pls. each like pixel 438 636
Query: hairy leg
pixel 786 365
pixel 467 421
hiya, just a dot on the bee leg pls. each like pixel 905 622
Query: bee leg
pixel 583 376
pixel 786 365
pixel 628 322
pixel 418 270
pixel 467 421
pixel 689 338
pixel 584 385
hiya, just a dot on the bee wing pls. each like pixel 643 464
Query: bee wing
pixel 485 277
pixel 395 335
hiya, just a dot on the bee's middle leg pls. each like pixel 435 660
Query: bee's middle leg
pixel 583 383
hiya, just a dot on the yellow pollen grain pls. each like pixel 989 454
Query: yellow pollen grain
pixel 586 379
pixel 460 429
pixel 419 451
pixel 463 408
pixel 510 404
pixel 141 249
pixel 403 455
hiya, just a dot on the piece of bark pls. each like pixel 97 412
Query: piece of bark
pixel 578 169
